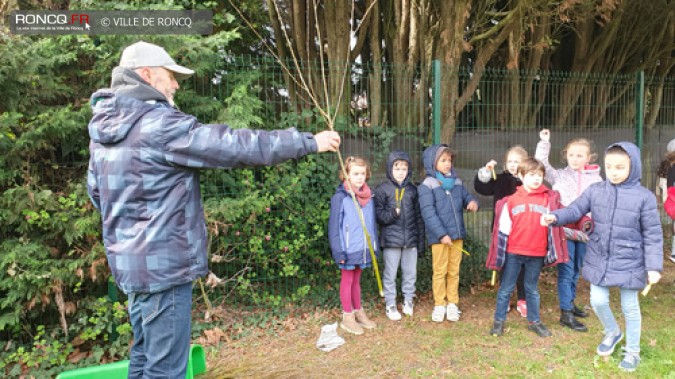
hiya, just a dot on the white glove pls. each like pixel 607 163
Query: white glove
pixel 653 277
pixel 484 175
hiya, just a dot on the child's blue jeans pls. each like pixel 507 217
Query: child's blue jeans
pixel 512 266
pixel 630 306
pixel 568 274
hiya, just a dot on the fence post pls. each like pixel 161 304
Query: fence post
pixel 112 295
pixel 639 108
pixel 436 105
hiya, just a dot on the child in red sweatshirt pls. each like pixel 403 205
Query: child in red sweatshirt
pixel 520 242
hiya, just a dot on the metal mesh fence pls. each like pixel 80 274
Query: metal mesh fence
pixel 507 108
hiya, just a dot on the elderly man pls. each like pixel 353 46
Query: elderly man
pixel 143 178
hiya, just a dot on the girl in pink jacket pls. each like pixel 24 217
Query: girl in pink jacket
pixel 571 181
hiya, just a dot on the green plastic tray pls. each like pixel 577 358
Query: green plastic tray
pixel 120 370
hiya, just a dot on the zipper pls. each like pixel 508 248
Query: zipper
pixel 611 226
pixel 405 229
pixel 347 237
pixel 454 213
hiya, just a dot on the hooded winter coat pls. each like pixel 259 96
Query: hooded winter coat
pixel 402 230
pixel 627 240
pixel 143 178
pixel 347 238
pixel 442 210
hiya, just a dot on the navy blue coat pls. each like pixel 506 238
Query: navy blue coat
pixel 402 230
pixel 442 211
pixel 627 240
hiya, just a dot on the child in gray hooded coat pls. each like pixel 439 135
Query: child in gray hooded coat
pixel 625 249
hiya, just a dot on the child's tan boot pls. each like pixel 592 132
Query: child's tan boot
pixel 349 324
pixel 363 319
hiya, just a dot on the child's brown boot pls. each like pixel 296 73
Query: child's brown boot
pixel 363 319
pixel 349 324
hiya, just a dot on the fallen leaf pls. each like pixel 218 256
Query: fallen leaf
pixel 77 356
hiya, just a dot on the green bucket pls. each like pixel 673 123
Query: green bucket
pixel 120 370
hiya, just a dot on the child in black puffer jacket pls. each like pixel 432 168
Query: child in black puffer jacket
pixel 401 232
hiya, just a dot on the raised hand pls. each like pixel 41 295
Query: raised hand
pixel 327 141
pixel 545 135
pixel 490 166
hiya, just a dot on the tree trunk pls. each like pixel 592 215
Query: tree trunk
pixel 338 36
pixel 453 18
pixel 375 73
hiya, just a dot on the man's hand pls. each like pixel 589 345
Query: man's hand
pixel 653 277
pixel 547 219
pixel 545 135
pixel 472 207
pixel 327 141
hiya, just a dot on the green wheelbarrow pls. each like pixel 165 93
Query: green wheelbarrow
pixel 120 370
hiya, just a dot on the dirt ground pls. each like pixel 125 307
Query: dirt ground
pixel 418 347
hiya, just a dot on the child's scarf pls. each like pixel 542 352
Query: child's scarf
pixel 363 194
pixel 447 183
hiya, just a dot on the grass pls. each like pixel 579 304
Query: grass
pixel 418 347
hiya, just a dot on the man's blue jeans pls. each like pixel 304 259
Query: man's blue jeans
pixel 568 274
pixel 512 266
pixel 630 306
pixel 161 325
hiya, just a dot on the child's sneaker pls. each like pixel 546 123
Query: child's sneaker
pixel 522 307
pixel 630 361
pixel 408 308
pixel 438 314
pixel 363 319
pixel 606 347
pixel 453 312
pixel 392 313
pixel 349 324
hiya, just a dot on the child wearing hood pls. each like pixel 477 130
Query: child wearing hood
pixel 401 232
pixel 625 249
pixel 443 199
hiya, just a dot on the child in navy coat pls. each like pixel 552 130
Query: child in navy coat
pixel 443 199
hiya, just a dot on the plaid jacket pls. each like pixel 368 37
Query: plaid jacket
pixel 557 244
pixel 143 177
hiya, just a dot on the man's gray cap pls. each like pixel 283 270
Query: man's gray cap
pixel 144 54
